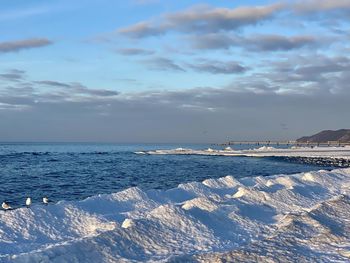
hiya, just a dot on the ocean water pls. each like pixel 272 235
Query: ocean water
pixel 78 170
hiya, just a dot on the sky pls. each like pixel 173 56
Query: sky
pixel 172 71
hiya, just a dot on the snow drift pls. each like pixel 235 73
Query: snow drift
pixel 301 217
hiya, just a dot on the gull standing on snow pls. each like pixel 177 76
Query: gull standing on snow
pixel 45 200
pixel 5 206
pixel 28 201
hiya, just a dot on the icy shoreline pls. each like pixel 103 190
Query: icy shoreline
pixel 301 217
pixel 320 152
pixel 337 156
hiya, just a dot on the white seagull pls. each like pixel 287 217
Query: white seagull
pixel 28 201
pixel 5 206
pixel 45 200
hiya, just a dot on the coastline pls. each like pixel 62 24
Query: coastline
pixel 329 155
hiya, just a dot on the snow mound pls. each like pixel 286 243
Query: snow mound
pixel 241 192
pixel 302 218
pixel 266 148
pixel 308 177
pixel 127 223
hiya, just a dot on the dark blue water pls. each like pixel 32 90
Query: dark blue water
pixel 76 171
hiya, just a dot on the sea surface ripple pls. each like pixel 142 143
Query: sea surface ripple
pixel 78 170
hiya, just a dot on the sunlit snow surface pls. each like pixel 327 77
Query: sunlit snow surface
pixel 297 218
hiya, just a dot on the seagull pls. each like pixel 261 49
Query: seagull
pixel 5 206
pixel 45 200
pixel 28 201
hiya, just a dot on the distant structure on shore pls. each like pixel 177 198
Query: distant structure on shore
pixel 323 138
pixel 341 136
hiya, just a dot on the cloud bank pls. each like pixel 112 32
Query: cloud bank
pixel 15 46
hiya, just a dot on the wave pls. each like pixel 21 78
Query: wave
pixel 20 154
pixel 276 218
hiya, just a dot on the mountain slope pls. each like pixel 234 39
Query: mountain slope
pixel 342 135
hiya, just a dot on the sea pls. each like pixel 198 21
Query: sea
pixel 75 171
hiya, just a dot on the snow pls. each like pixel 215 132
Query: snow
pixel 267 151
pixel 302 218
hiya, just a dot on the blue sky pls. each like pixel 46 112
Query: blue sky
pixel 86 43
pixel 172 70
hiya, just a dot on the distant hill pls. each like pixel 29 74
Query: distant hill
pixel 342 135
